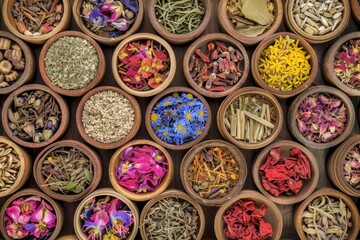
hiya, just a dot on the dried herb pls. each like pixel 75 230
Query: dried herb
pixel 352 167
pixel 9 166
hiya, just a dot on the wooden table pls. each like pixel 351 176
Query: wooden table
pixel 213 27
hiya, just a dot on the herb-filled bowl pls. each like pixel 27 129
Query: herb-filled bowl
pixel 355 8
pixel 31 214
pixel 172 213
pixel 334 212
pixel 213 172
pixel 17 63
pixel 108 22
pixel 319 22
pixel 144 64
pixel 72 63
pixel 250 118
pixel 178 118
pixel 284 64
pixel 215 65
pixel 286 172
pixel 34 116
pixel 179 22
pixel 141 170
pixel 265 219
pixel 36 25
pixel 67 170
pixel 108 117
pixel 250 21
pixel 321 117
pixel 106 213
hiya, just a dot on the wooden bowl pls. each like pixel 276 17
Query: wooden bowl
pixel 88 152
pixel 58 210
pixel 114 163
pixel 315 39
pixel 112 193
pixel 137 37
pixel 353 232
pixel 249 91
pixel 328 63
pixel 76 8
pixel 200 43
pixel 179 38
pixel 162 95
pixel 65 115
pixel 10 23
pixel 173 193
pixel 309 184
pixel 355 7
pixel 99 75
pixel 189 158
pixel 255 60
pixel 135 128
pixel 24 170
pixel 292 125
pixel 227 26
pixel 30 65
pixel 273 214
pixel 68 237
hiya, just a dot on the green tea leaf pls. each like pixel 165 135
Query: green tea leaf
pixel 257 11
pixel 88 175
pixel 71 185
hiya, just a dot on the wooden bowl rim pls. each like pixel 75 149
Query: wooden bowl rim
pixel 68 237
pixel 355 7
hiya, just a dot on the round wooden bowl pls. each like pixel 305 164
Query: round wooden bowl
pixel 227 26
pixel 114 163
pixel 292 124
pixel 162 95
pixel 76 8
pixel 255 60
pixel 202 41
pixel 68 237
pixel 137 37
pixel 135 128
pixel 189 158
pixel 352 232
pixel 112 193
pixel 179 38
pixel 99 75
pixel 309 184
pixel 24 170
pixel 328 63
pixel 316 39
pixel 10 23
pixel 173 193
pixel 93 157
pixel 273 214
pixel 249 91
pixel 355 7
pixel 30 65
pixel 58 210
pixel 65 115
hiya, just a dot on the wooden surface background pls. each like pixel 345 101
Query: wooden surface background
pixel 213 27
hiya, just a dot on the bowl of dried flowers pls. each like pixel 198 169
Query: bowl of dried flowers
pixel 213 172
pixel 106 214
pixel 34 116
pixel 108 22
pixel 327 213
pixel 286 172
pixel 321 117
pixel 31 214
pixel 141 170
pixel 250 21
pixel 178 118
pixel 264 219
pixel 215 65
pixel 144 64
pixel 36 21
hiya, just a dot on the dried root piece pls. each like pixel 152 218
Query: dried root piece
pixel 12 76
pixel 5 43
pixel 19 65
pixel 5 67
pixel 1 55
pixel 1 77
pixel 4 84
pixel 13 55
pixel 15 46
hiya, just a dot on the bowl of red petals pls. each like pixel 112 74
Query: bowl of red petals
pixel 286 172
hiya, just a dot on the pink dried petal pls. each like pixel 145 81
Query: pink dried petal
pixel 13 213
pixel 301 126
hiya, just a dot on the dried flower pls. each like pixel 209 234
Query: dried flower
pixel 352 167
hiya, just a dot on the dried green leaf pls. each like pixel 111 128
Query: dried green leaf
pixel 250 31
pixel 257 11
pixel 88 175
pixel 307 214
pixel 71 186
pixel 308 230
pixel 78 190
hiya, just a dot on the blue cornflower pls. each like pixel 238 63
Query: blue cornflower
pixel 201 113
pixel 164 134
pixel 167 101
pixel 180 126
pixel 188 113
pixel 155 118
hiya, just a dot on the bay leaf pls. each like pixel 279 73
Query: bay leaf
pixel 250 31
pixel 256 10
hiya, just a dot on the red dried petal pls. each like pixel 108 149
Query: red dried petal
pixel 160 55
pixel 265 229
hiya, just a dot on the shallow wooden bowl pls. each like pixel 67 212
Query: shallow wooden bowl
pixel 100 72
pixel 65 115
pixel 355 7
pixel 10 23
pixel 273 214
pixel 76 8
pixel 137 37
